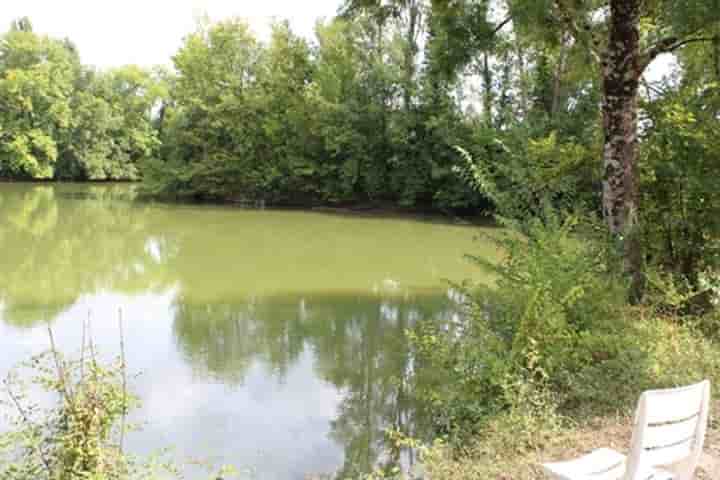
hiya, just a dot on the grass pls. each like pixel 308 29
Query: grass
pixel 677 352
pixel 486 461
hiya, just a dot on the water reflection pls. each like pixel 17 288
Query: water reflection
pixel 358 345
pixel 55 250
pixel 273 332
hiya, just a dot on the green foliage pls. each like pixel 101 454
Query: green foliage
pixel 111 132
pixel 459 32
pixel 304 124
pixel 60 120
pixel 79 433
pixel 681 200
pixel 523 178
pixel 351 116
pixel 224 126
pixel 537 338
pixel 545 348
pixel 76 438
pixel 36 76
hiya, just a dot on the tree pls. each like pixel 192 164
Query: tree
pixel 111 132
pixel 408 16
pixel 36 81
pixel 22 25
pixel 286 70
pixel 681 201
pixel 620 39
pixel 213 134
pixel 624 37
pixel 62 120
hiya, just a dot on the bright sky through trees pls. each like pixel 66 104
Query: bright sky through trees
pixel 149 32
pixel 100 28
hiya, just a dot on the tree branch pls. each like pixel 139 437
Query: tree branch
pixel 501 25
pixel 28 423
pixel 667 45
pixel 650 89
pixel 123 366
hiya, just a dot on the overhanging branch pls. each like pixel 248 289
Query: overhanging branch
pixel 500 26
pixel 668 45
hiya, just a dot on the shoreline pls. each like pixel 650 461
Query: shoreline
pixel 359 208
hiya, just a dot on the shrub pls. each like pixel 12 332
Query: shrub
pixel 523 175
pixel 547 352
pixel 79 434
pixel 535 341
pixel 514 442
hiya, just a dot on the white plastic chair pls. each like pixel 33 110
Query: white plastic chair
pixel 666 444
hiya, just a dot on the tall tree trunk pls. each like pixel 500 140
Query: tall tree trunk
pixel 411 50
pixel 621 69
pixel 504 102
pixel 558 77
pixel 487 89
pixel 523 89
pixel 716 54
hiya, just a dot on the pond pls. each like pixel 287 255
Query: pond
pixel 271 340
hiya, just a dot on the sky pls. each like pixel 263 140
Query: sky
pixel 110 33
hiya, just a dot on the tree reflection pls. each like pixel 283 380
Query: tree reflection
pixel 223 340
pixel 250 289
pixel 55 249
pixel 359 345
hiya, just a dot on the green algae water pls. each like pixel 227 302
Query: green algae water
pixel 271 340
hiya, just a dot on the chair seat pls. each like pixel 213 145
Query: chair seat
pixel 601 464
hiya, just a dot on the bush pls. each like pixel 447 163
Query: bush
pixel 535 340
pixel 523 175
pixel 80 435
pixel 513 443
pixel 546 353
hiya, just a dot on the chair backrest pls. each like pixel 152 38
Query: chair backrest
pixel 669 429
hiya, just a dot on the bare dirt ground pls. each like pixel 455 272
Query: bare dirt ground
pixel 616 433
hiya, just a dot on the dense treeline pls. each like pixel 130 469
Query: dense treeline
pixel 283 121
pixel 336 120
pixel 373 108
pixel 60 119
pixel 538 110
